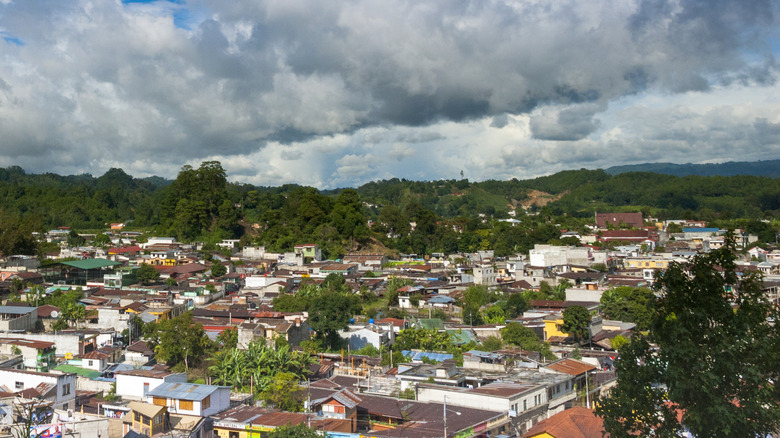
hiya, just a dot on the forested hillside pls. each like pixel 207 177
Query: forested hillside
pixel 768 168
pixel 391 215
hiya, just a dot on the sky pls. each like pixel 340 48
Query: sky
pixel 338 93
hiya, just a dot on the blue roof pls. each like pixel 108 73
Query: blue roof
pixel 701 230
pixel 184 391
pixel 416 356
pixel 443 299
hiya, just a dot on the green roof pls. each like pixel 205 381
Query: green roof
pixel 432 324
pixel 460 337
pixel 91 263
pixel 83 372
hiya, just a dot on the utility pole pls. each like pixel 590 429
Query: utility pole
pixel 445 416
pixel 587 393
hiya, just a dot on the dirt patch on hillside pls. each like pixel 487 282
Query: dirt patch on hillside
pixel 539 198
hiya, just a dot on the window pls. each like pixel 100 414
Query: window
pixel 19 385
pixel 89 363
pixel 206 402
pixel 525 404
pixel 157 419
pixel 185 405
pixel 160 401
pixel 66 389
pixel 137 417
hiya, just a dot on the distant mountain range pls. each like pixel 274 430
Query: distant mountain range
pixel 769 168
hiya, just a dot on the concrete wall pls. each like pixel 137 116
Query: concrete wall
pixel 64 342
pixel 65 397
pixel 83 425
pixel 132 387
pixel 469 399
pixel 21 323
pixel 86 384
pixel 593 296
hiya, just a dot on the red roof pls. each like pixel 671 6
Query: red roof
pixel 577 422
pixel 571 366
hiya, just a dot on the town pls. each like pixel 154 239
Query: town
pixel 128 334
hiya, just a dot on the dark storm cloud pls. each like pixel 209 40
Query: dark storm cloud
pixel 108 81
pixel 568 124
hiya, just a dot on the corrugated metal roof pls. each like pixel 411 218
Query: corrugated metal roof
pixel 485 354
pixel 91 263
pixel 184 391
pixel 417 356
pixel 16 310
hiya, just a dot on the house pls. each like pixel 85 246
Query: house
pixel 366 262
pixel 191 398
pixel 392 417
pixel 308 252
pixel 485 274
pixel 139 353
pixel 631 220
pixel 553 324
pixel 137 383
pixel 573 367
pixel 60 389
pixel 146 419
pixel 268 329
pixel 341 405
pixel 26 277
pixel 95 360
pixel 48 315
pixel 37 355
pixel 253 421
pixel 577 422
pixel 13 318
pixel 485 361
pixel 360 335
pixel 525 402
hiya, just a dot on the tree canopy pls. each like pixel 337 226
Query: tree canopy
pixel 711 356
pixel 576 322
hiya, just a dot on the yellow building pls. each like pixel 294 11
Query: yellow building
pixel 552 327
pixel 146 419
pixel 646 263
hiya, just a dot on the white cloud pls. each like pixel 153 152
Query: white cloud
pixel 338 93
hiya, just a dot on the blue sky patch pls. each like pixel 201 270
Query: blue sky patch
pixel 11 39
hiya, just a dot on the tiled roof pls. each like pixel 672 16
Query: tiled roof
pixel 571 366
pixel 577 422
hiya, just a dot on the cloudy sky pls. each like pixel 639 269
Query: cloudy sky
pixel 341 92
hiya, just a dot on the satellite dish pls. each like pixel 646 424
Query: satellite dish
pixel 55 314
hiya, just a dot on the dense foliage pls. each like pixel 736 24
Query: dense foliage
pixel 271 372
pixel 630 304
pixel 399 215
pixel 714 361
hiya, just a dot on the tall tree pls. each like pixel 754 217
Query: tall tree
pixel 715 357
pixel 147 274
pixel 576 322
pixel 474 297
pixel 331 312
pixel 178 342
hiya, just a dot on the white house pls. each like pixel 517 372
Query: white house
pixel 94 360
pixel 191 398
pixel 60 389
pixel 135 384
pixel 359 335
